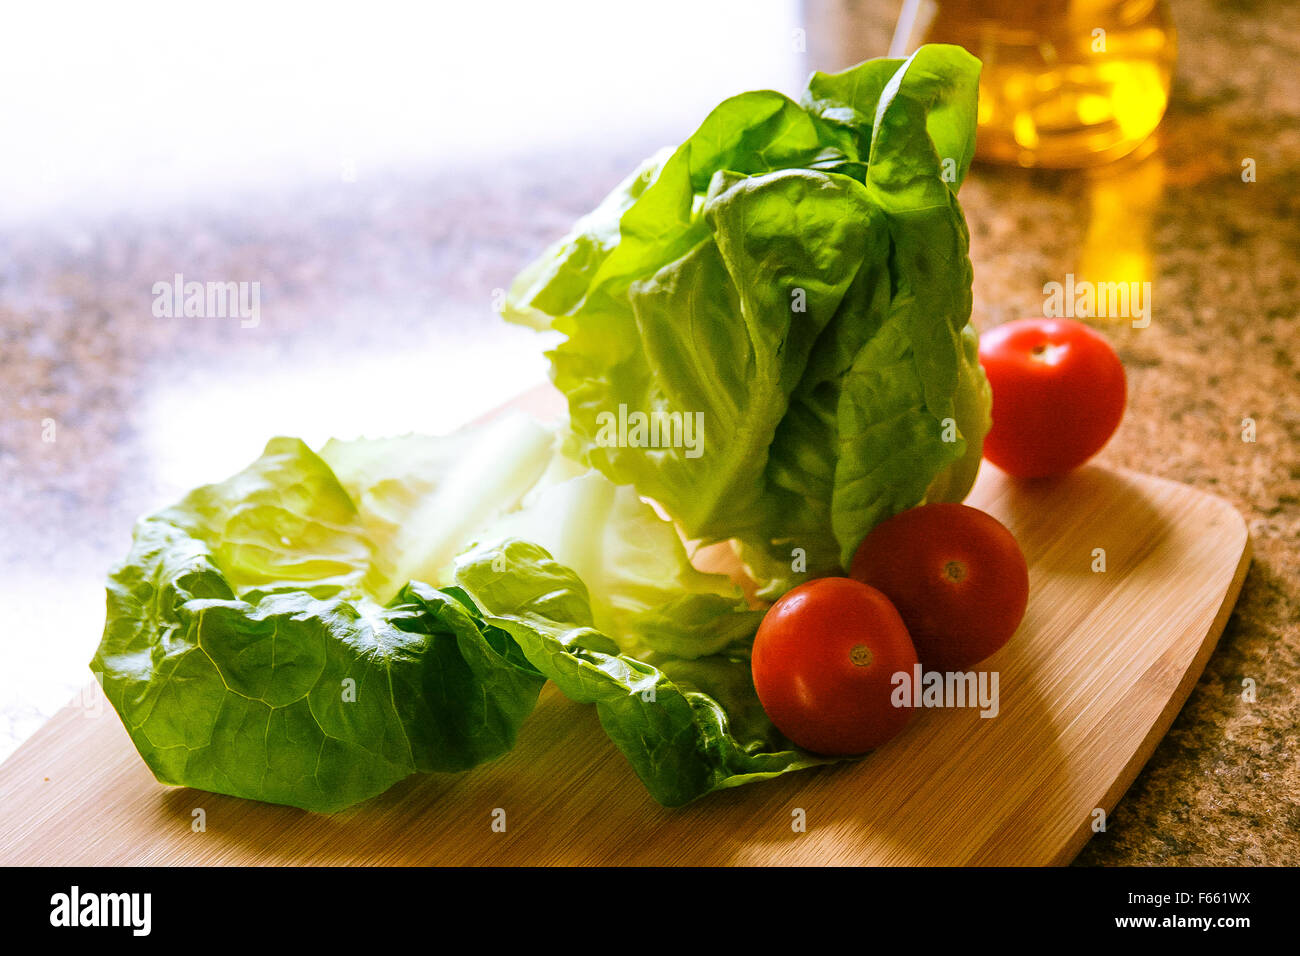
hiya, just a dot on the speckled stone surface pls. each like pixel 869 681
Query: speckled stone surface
pixel 1224 785
pixel 399 263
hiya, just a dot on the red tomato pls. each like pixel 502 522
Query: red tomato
pixel 956 576
pixel 824 658
pixel 1058 395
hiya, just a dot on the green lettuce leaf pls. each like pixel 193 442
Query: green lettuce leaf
pixel 258 643
pixel 421 498
pixel 687 726
pixel 245 656
pixel 795 278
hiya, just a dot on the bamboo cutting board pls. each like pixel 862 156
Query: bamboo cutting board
pixel 1090 683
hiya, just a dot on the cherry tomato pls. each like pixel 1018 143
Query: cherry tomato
pixel 823 662
pixel 956 576
pixel 1058 395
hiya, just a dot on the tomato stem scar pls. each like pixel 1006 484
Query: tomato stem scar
pixel 861 655
pixel 954 570
pixel 1048 353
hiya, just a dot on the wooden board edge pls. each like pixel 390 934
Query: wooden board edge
pixel 1124 780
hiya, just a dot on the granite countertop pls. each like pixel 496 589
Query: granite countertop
pixel 1223 787
pixel 376 300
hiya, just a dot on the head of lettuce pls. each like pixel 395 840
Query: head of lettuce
pixel 767 329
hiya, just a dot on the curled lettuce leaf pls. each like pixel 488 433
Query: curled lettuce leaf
pixel 420 498
pixel 260 642
pixel 687 726
pixel 643 590
pixel 245 656
pixel 797 276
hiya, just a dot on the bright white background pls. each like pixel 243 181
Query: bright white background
pixel 152 107
pixel 110 102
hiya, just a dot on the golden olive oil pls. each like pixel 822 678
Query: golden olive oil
pixel 1065 82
